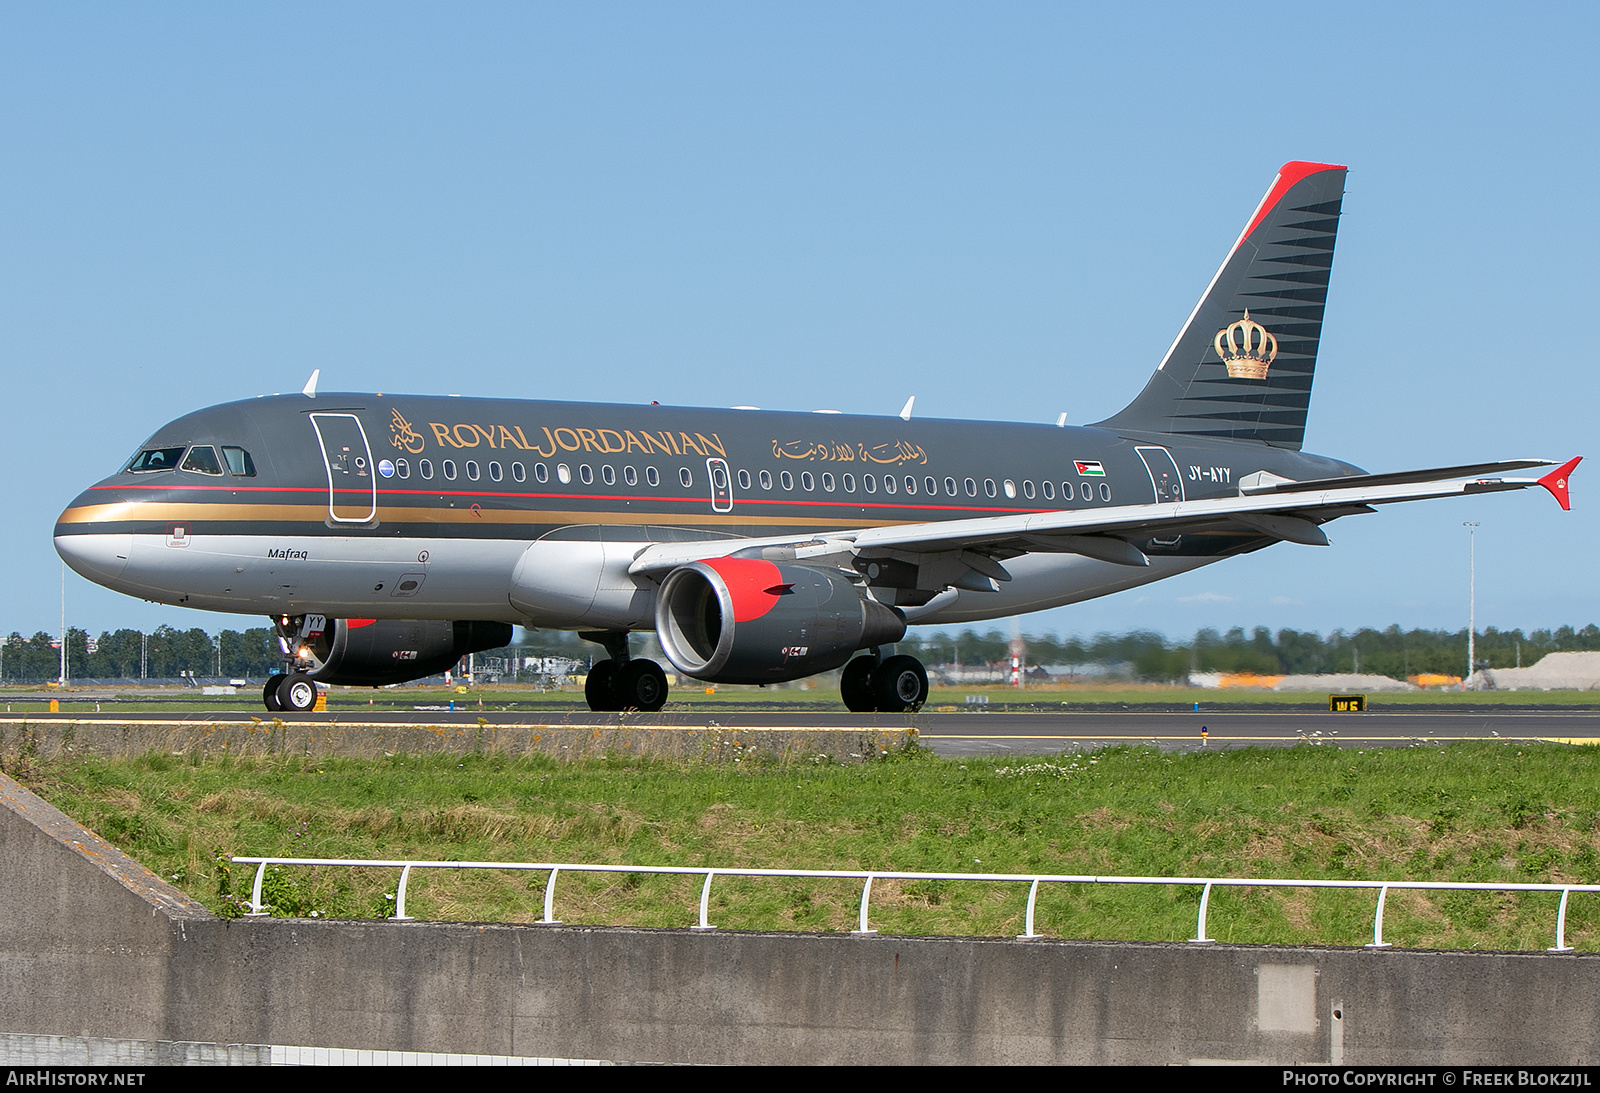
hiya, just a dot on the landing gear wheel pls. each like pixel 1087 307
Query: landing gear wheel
pixel 269 693
pixel 598 691
pixel 855 685
pixel 297 693
pixel 900 684
pixel 641 685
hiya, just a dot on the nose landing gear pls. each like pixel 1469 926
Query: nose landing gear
pixel 293 690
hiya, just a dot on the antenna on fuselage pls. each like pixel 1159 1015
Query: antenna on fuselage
pixel 905 411
pixel 310 389
pixel 1061 422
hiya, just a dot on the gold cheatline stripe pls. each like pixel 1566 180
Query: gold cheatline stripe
pixel 164 511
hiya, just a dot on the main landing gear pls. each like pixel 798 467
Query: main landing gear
pixel 871 684
pixel 620 682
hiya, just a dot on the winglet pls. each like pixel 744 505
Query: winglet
pixel 310 389
pixel 1556 481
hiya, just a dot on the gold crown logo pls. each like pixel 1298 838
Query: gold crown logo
pixel 1246 348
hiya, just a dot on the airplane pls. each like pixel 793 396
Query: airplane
pixel 386 536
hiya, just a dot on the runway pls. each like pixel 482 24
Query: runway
pixel 964 733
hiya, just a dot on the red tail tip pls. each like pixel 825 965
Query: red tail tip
pixel 1556 481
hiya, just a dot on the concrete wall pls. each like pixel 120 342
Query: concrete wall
pixel 23 738
pixel 93 945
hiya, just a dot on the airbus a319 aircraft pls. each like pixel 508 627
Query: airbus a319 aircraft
pixel 389 535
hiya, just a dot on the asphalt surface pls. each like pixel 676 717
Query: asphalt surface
pixel 965 733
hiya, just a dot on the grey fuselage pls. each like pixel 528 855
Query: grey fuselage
pixel 414 507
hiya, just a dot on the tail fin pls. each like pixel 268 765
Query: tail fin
pixel 1241 368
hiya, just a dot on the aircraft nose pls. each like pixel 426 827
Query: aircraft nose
pixel 99 556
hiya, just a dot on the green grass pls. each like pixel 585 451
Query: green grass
pixel 1478 812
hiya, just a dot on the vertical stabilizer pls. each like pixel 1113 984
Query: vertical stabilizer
pixel 1242 365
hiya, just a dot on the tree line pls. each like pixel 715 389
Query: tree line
pixel 1150 656
pixel 167 653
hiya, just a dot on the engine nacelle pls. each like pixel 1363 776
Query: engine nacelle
pixel 375 652
pixel 747 620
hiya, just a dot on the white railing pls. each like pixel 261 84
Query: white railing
pixel 1033 880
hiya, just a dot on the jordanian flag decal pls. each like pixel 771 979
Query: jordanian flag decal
pixel 1090 468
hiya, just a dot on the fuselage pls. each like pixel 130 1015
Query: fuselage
pixel 411 507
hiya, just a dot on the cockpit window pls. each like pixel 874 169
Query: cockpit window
pixel 155 459
pixel 202 459
pixel 239 462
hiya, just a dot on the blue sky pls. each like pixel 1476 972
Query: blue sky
pixel 1006 210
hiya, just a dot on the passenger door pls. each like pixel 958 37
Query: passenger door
pixel 352 485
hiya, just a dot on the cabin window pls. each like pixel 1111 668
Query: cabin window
pixel 402 468
pixel 1067 491
pixel 988 486
pixel 155 459
pixel 766 480
pixel 950 486
pixel 807 482
pixel 1011 488
pixel 869 483
pixel 1049 490
pixel 495 472
pixel 540 473
pixel 563 473
pixel 240 465
pixel 744 479
pixel 1105 491
pixel 425 468
pixel 449 468
pixel 652 476
pixel 608 474
pixel 849 481
pixel 1027 489
pixel 787 480
pixel 202 459
pixel 685 477
pixel 719 478
pixel 911 484
pixel 888 483
pixel 827 481
pixel 472 469
pixel 972 488
pixel 630 476
pixel 518 472
pixel 932 485
pixel 586 473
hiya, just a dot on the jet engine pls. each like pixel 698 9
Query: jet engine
pixel 376 652
pixel 747 620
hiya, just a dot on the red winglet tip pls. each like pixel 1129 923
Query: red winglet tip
pixel 1556 482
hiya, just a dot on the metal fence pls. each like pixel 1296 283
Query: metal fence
pixel 1205 884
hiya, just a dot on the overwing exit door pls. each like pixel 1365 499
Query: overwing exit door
pixel 352 487
pixel 721 485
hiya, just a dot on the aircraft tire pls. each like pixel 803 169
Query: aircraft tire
pixel 297 693
pixel 855 685
pixel 900 684
pixel 269 693
pixel 641 685
pixel 598 690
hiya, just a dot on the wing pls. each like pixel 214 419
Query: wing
pixel 972 552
